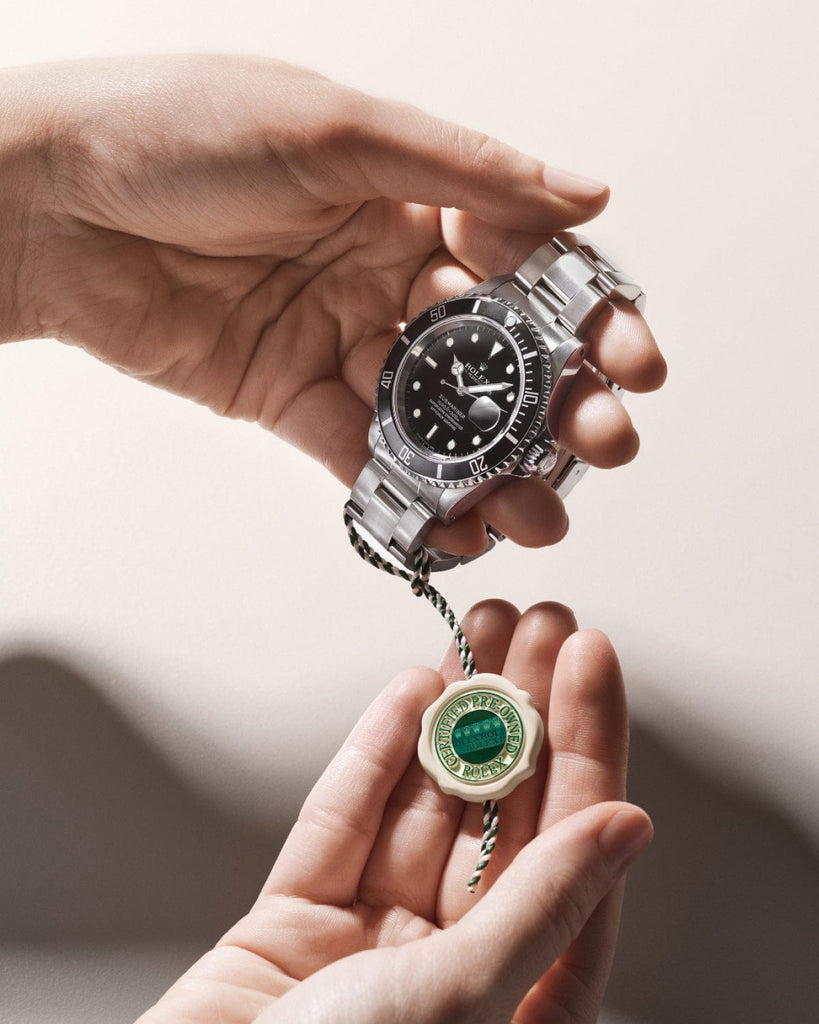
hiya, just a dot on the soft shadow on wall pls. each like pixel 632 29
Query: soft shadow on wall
pixel 721 919
pixel 102 843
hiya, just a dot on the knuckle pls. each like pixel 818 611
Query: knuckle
pixel 479 150
pixel 83 156
pixel 343 111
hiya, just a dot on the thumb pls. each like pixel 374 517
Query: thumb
pixel 411 156
pixel 541 902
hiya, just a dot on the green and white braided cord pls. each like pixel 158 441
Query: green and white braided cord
pixel 490 830
pixel 419 583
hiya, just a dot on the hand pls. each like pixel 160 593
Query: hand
pixel 366 915
pixel 248 234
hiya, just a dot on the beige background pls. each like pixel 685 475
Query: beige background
pixel 174 587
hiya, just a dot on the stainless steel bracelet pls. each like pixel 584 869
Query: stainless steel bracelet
pixel 568 280
pixel 565 283
pixel 394 510
pixel 562 286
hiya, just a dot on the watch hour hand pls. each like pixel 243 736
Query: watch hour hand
pixel 458 371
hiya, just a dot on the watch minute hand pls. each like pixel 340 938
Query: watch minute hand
pixel 482 389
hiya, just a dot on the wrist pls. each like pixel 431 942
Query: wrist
pixel 25 133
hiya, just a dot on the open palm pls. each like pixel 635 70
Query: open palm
pixel 366 915
pixel 250 235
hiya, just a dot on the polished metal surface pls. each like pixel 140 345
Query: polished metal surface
pixel 562 286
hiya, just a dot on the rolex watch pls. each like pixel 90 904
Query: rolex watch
pixel 470 395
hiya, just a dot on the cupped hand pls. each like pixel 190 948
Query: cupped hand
pixel 366 917
pixel 250 235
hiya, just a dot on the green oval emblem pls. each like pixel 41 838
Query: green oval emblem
pixel 478 736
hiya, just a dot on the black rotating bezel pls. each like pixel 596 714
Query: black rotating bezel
pixel 520 431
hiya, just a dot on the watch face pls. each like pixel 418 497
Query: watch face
pixel 459 387
pixel 462 389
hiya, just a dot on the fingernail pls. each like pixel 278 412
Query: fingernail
pixel 571 186
pixel 624 838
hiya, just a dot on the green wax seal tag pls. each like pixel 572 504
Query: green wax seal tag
pixel 480 738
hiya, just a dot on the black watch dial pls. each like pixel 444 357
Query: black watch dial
pixel 459 388
pixel 463 388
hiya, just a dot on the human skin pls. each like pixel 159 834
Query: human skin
pixel 366 917
pixel 250 235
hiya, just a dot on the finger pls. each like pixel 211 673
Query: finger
pixel 587 735
pixel 420 822
pixel 574 987
pixel 330 423
pixel 409 155
pixel 488 627
pixel 622 345
pixel 623 348
pixel 440 279
pixel 325 854
pixel 529 663
pixel 594 425
pixel 488 249
pixel 528 512
pixel 542 901
pixel 587 729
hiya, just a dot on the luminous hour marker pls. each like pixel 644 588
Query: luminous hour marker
pixel 510 396
pixel 416 385
pixel 476 440
pixel 510 368
pixel 417 350
pixel 416 413
pixel 431 361
pixel 432 430
pixel 474 336
pixel 450 342
pixel 450 445
pixel 497 347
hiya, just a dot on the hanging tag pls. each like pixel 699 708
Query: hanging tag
pixel 480 738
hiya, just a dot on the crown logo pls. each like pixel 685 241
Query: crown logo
pixel 483 367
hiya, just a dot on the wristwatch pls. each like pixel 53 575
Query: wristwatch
pixel 470 395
